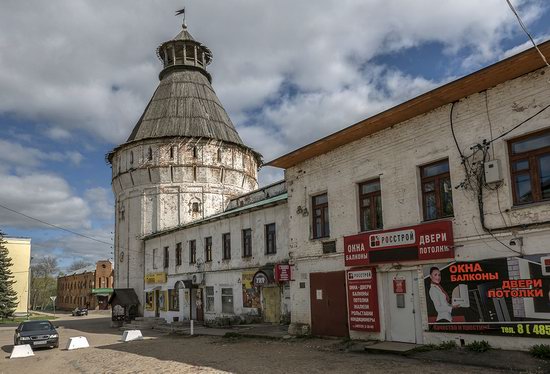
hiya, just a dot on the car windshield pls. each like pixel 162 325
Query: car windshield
pixel 36 326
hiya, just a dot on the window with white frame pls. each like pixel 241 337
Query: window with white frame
pixel 209 299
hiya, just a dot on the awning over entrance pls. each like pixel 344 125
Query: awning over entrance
pixel 102 291
pixel 124 297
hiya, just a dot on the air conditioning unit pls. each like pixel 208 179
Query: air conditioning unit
pixel 197 278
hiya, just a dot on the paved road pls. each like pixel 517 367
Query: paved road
pixel 206 354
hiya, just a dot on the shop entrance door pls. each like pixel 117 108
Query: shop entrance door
pixel 157 303
pixel 195 306
pixel 402 296
pixel 272 304
pixel 329 310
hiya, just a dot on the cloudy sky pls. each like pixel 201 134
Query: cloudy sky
pixel 75 75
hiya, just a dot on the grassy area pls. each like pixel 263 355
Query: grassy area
pixel 21 319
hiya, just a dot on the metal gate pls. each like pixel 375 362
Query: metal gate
pixel 329 312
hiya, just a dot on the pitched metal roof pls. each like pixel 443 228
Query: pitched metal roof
pixel 185 105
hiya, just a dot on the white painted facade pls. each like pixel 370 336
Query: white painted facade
pixel 157 181
pixel 395 155
pixel 252 211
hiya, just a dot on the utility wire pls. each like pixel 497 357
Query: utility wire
pixel 519 124
pixel 56 226
pixel 527 32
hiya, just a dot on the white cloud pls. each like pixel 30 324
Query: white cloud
pixel 17 155
pixel 45 197
pixel 101 202
pixel 58 133
pixel 92 66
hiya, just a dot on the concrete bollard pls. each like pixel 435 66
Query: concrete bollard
pixel 192 326
pixel 77 342
pixel 22 350
pixel 130 335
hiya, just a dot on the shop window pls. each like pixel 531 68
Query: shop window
pixel 174 299
pixel 178 254
pixel 437 199
pixel 208 249
pixel 209 299
pixel 370 205
pixel 270 239
pixel 530 167
pixel 192 251
pixel 320 216
pixel 166 257
pixel 227 300
pixel 226 242
pixel 155 264
pixel 247 242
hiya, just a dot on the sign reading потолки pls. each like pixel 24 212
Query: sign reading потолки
pixel 428 241
pixel 363 312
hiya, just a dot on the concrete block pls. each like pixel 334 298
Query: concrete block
pixel 130 335
pixel 23 350
pixel 77 342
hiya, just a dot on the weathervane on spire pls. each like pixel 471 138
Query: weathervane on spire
pixel 181 12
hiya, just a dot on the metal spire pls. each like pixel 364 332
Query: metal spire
pixel 182 12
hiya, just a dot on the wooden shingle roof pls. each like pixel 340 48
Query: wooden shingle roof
pixel 185 105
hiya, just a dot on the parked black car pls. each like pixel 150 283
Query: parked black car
pixel 80 311
pixel 37 334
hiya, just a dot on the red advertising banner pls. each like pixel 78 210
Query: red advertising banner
pixel 283 273
pixel 428 241
pixel 363 312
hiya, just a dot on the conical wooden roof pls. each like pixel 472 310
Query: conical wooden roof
pixel 185 105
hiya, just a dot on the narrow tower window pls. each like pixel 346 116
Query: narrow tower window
pixel 194 152
pixel 171 152
pixel 150 154
pixel 131 157
pixel 219 155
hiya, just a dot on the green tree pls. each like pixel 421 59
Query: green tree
pixel 43 281
pixel 8 296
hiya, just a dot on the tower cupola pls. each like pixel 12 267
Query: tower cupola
pixel 183 52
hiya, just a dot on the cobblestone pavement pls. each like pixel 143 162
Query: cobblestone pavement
pixel 206 354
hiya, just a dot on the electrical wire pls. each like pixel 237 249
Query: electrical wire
pixel 527 32
pixel 519 124
pixel 56 226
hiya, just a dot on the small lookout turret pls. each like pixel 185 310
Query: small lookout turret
pixel 184 52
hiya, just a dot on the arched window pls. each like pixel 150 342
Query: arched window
pixel 195 207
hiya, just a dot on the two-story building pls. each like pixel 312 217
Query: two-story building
pixel 226 268
pixel 431 220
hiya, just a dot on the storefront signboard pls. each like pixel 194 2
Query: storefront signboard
pixel 283 273
pixel 260 279
pixel 155 278
pixel 503 296
pixel 428 241
pixel 363 311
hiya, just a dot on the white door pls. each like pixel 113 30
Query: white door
pixel 403 320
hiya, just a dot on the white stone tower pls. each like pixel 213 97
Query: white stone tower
pixel 183 161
